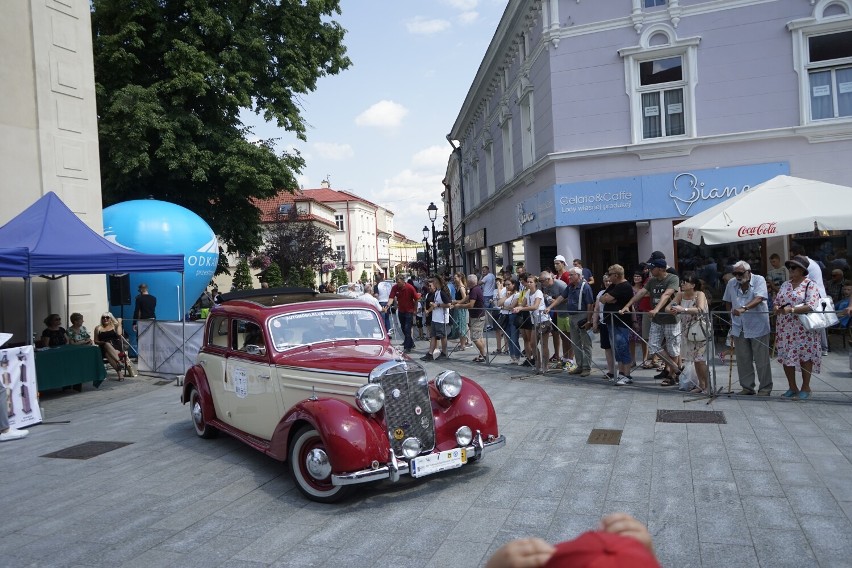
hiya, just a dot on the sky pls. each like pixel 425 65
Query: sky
pixel 379 128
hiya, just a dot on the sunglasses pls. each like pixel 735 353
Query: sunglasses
pixel 738 273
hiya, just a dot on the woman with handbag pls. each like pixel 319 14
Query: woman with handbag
pixel 798 347
pixel 690 304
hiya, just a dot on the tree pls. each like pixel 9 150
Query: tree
pixel 272 275
pixel 338 278
pixel 302 277
pixel 171 78
pixel 293 242
pixel 363 276
pixel 242 277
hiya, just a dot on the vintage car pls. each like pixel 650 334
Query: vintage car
pixel 312 379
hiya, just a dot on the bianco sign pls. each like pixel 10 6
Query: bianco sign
pixel 688 189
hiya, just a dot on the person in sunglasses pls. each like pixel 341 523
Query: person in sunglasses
pixel 745 296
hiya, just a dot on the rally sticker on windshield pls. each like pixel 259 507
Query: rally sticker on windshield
pixel 240 382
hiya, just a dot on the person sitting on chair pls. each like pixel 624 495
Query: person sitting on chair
pixel 77 333
pixel 55 335
pixel 108 335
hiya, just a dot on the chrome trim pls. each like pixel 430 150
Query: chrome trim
pixel 396 467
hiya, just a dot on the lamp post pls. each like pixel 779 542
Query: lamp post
pixel 433 214
pixel 426 247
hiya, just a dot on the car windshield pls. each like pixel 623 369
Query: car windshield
pixel 303 328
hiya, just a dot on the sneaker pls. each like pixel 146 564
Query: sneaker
pixel 624 380
pixel 427 357
pixel 585 373
pixel 13 434
pixel 746 392
pixel 609 377
pixel 514 361
pixel 527 363
pixel 825 352
pixel 442 356
pixel 575 371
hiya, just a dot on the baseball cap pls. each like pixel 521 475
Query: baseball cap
pixel 560 258
pixel 656 255
pixel 597 549
pixel 657 263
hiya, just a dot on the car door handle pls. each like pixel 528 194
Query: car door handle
pixel 263 377
pixel 203 363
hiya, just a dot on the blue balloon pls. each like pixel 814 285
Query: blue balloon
pixel 159 227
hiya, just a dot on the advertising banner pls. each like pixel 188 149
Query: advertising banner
pixel 18 371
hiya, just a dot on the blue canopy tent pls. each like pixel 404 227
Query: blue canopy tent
pixel 47 238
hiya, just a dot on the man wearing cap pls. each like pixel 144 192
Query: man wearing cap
pixel 579 301
pixel 745 296
pixel 834 287
pixel 665 327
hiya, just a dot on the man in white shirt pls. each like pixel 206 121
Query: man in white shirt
pixel 488 282
pixel 440 309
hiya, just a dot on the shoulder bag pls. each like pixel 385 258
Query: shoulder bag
pixel 820 318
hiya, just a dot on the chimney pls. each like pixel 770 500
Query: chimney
pixel 325 184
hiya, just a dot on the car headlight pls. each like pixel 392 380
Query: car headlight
pixel 370 398
pixel 449 384
pixel 464 436
pixel 411 447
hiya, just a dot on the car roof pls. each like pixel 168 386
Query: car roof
pixel 251 301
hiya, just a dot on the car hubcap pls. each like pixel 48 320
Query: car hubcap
pixel 317 464
pixel 197 417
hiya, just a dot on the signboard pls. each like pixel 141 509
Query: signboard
pixel 18 372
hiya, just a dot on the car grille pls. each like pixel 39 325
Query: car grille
pixel 408 409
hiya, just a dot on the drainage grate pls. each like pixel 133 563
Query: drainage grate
pixel 605 437
pixel 161 383
pixel 86 450
pixel 691 416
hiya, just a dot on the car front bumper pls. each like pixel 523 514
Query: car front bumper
pixel 397 467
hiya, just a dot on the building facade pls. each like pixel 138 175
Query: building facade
pixel 592 128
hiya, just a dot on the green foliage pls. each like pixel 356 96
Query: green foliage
pixel 242 277
pixel 272 275
pixel 338 278
pixel 295 243
pixel 363 276
pixel 171 79
pixel 304 277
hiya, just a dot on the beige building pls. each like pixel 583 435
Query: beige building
pixel 48 142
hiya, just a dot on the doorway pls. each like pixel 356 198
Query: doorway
pixel 608 245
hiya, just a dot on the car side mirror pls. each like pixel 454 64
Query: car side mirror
pixel 255 350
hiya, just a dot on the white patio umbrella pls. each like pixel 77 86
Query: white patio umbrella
pixel 784 205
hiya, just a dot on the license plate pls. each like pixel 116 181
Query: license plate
pixel 433 463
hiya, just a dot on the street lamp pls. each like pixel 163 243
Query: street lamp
pixel 433 214
pixel 426 247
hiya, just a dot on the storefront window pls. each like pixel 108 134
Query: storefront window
pixel 498 259
pixel 830 250
pixel 713 264
pixel 517 255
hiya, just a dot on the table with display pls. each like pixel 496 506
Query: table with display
pixel 69 365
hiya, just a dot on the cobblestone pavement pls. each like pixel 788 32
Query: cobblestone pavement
pixel 772 487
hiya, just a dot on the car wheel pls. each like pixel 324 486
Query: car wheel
pixel 309 463
pixel 199 421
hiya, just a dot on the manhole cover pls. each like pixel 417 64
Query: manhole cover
pixel 161 383
pixel 691 416
pixel 86 450
pixel 607 437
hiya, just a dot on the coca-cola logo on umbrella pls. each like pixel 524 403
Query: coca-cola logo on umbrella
pixel 757 230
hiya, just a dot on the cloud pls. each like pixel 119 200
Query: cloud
pixel 334 151
pixel 433 157
pixel 463 5
pixel 384 114
pixel 467 18
pixel 423 26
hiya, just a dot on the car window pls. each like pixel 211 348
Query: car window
pixel 246 333
pixel 218 332
pixel 303 328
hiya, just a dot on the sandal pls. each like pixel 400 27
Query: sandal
pixel 669 382
pixel 648 364
pixel 479 359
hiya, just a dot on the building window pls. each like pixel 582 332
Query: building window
pixel 830 75
pixel 508 166
pixel 489 169
pixel 653 3
pixel 285 208
pixel 527 131
pixel 660 83
pixel 338 220
pixel 661 80
pixel 341 254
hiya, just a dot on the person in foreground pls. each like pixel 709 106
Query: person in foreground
pixel 620 539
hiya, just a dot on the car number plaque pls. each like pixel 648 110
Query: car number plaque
pixel 442 461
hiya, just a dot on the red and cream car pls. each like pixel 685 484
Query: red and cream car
pixel 312 379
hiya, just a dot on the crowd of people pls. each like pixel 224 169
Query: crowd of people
pixel 651 318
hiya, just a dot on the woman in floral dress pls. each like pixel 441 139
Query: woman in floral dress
pixel 797 347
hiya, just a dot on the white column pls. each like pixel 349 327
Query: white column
pixel 568 243
pixel 661 238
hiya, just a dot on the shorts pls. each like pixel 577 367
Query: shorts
pixel 564 324
pixel 621 336
pixel 418 321
pixel 668 333
pixel 439 329
pixel 477 326
pixel 544 327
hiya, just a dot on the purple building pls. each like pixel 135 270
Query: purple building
pixel 593 127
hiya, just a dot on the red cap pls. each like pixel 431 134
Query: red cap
pixel 602 550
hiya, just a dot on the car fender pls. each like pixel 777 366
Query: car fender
pixel 353 439
pixel 196 378
pixel 472 408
